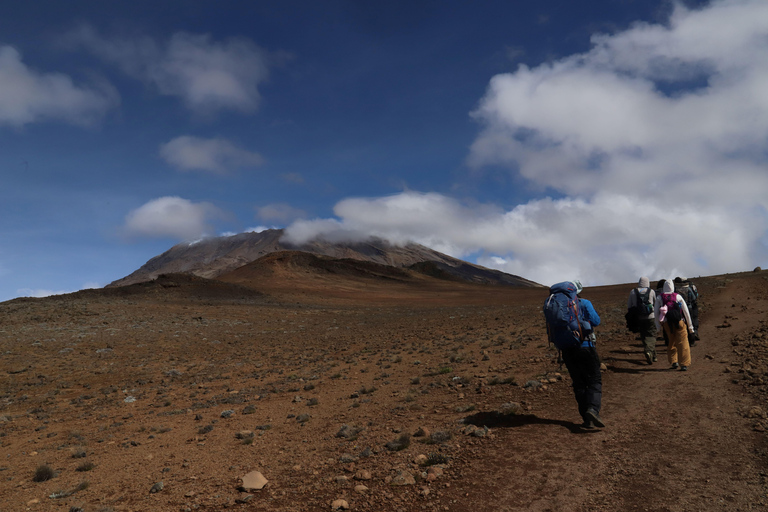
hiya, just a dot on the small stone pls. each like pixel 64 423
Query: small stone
pixel 403 478
pixel 420 459
pixel 510 408
pixel 244 434
pixel 156 488
pixel 363 474
pixel 435 470
pixel 422 432
pixel 361 489
pixel 227 413
pixel 244 498
pixel 253 481
pixel 340 505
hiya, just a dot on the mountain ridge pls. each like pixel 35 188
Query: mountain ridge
pixel 214 257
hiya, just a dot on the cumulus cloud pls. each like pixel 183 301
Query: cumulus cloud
pixel 218 156
pixel 28 95
pixel 208 75
pixel 676 111
pixel 608 239
pixel 172 217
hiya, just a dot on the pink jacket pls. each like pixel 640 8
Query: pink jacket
pixel 660 310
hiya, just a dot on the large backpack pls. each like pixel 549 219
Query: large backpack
pixel 674 310
pixel 641 310
pixel 688 292
pixel 565 326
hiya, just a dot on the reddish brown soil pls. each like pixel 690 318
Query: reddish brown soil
pixel 384 355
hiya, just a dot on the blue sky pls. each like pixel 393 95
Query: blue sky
pixel 601 139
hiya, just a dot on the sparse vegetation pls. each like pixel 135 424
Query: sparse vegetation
pixel 438 437
pixel 402 442
pixel 43 473
pixel 85 466
pixel 433 459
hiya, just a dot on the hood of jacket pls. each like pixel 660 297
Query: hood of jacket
pixel 669 286
pixel 644 282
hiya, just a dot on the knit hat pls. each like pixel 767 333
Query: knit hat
pixel 578 286
pixel 643 283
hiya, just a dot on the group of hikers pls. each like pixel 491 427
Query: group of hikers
pixel 671 309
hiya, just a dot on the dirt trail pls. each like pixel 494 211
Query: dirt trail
pixel 675 441
pixel 116 390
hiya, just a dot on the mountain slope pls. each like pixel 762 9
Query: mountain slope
pixel 213 257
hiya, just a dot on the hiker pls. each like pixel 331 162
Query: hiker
pixel 574 336
pixel 673 317
pixel 690 294
pixel 641 318
pixel 659 291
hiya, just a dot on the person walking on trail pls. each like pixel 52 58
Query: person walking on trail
pixel 673 317
pixel 640 311
pixel 690 295
pixel 570 327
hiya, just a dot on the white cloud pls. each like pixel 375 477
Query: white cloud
pixel 172 217
pixel 219 156
pixel 608 239
pixel 678 112
pixel 208 75
pixel 28 96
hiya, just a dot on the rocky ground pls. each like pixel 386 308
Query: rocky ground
pixel 371 396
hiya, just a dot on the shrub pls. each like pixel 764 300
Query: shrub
pixel 85 466
pixel 401 443
pixel 43 473
pixel 434 459
pixel 439 436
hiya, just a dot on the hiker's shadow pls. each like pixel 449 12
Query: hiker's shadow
pixel 495 419
pixel 642 366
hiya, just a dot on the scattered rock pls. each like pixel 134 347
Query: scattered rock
pixel 340 505
pixel 510 408
pixel 253 481
pixel 244 434
pixel 403 478
pixel 422 432
pixel 227 413
pixel 361 489
pixel 349 432
pixel 363 474
pixel 156 488
pixel 401 443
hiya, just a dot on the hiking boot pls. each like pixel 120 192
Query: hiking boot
pixel 654 358
pixel 593 417
pixel 649 357
pixel 683 368
pixel 675 366
pixel 587 424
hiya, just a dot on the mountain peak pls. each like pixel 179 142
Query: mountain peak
pixel 213 257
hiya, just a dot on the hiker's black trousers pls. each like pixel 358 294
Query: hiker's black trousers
pixel 584 366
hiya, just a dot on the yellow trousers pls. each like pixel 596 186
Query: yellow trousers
pixel 678 343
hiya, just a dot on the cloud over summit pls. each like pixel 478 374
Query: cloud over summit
pixel 653 143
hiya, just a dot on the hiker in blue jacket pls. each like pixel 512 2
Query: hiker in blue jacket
pixel 583 365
